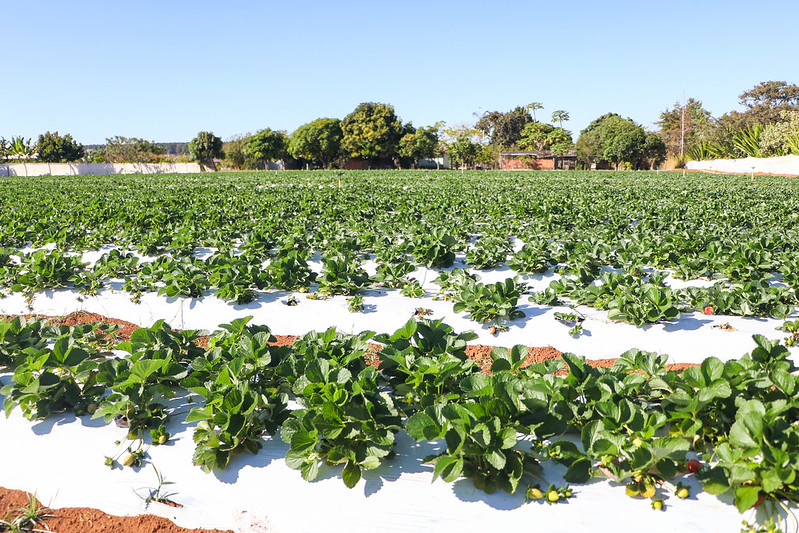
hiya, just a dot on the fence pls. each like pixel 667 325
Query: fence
pixel 787 165
pixel 74 169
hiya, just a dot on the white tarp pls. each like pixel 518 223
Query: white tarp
pixel 787 165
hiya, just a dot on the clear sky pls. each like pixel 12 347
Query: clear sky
pixel 165 70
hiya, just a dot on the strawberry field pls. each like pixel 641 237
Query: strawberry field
pixel 385 277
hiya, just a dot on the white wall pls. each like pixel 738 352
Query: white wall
pixel 787 165
pixel 72 169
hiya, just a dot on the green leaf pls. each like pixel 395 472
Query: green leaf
pixel 746 497
pixel 448 467
pixel 351 474
pixel 579 471
pixel 496 458
pixel 310 470
pixel 420 426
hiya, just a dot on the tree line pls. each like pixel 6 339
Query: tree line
pixel 375 135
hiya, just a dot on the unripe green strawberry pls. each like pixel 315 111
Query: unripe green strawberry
pixel 683 493
pixel 553 496
pixel 657 505
pixel 162 439
pixel 649 491
pixel 128 460
pixel 632 490
pixel 534 493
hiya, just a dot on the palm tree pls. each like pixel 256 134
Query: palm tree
pixel 533 106
pixel 560 115
pixel 21 149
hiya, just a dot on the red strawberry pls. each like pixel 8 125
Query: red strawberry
pixel 709 310
pixel 694 466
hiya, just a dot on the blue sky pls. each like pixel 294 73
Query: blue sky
pixel 165 70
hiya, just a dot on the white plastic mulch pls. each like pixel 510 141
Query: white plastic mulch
pixel 61 458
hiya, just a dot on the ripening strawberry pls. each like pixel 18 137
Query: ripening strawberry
pixel 534 493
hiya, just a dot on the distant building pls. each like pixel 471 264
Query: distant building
pixel 537 160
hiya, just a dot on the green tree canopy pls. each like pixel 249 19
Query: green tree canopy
pixel 613 139
pixel 318 141
pixel 266 145
pixel 372 131
pixel 235 154
pixel 542 136
pixel 504 129
pixel 53 148
pixel 420 144
pixel 690 122
pixel 19 149
pixel 560 116
pixel 120 149
pixel 767 99
pixel 204 148
pixel 655 149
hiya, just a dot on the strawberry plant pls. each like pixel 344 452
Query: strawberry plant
pixel 184 278
pixel 534 257
pixel 45 269
pixel 488 252
pixel 52 380
pixel 290 272
pixel 495 303
pixel 343 275
pixel 479 446
pixel 19 336
pixel 436 249
pixel 413 290
pixel 235 277
pixel 394 275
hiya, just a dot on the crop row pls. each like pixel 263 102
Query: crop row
pixel 610 237
pixel 732 425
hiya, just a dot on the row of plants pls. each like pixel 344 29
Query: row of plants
pixel 733 426
pixel 607 235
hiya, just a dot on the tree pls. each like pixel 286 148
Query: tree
pixel 766 100
pixel 266 145
pixel 534 106
pixel 535 136
pixel 542 136
pixel 614 139
pixel 204 148
pixel 781 138
pixel 372 131
pixel 504 129
pixel 120 149
pixel 318 141
pixel 463 152
pixel 21 149
pixel 420 144
pixel 560 116
pixel 655 149
pixel 53 148
pixel 235 155
pixel 684 126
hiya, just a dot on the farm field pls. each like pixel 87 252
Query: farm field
pixel 652 269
